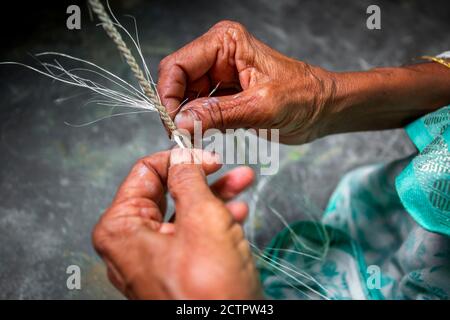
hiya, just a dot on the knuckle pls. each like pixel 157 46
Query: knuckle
pixel 198 113
pixel 230 25
pixel 100 238
pixel 237 233
pixel 144 164
pixel 210 114
pixel 107 231
pixel 150 161
pixel 184 179
pixel 140 162
pixel 164 63
pixel 141 165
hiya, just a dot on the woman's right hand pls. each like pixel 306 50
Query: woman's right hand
pixel 257 87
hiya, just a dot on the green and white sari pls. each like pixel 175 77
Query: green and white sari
pixel 384 235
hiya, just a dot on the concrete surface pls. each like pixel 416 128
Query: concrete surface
pixel 56 180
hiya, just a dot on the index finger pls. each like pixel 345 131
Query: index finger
pixel 187 64
pixel 148 177
pixel 145 179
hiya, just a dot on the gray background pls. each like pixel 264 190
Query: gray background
pixel 56 180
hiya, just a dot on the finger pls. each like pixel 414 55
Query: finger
pixel 124 250
pixel 239 210
pixel 247 109
pixel 167 228
pixel 198 88
pixel 233 183
pixel 188 63
pixel 148 178
pixel 187 182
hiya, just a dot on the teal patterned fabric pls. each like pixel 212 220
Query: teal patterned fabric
pixel 384 235
pixel 424 186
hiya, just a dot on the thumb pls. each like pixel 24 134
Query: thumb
pixel 242 110
pixel 186 181
pixel 195 203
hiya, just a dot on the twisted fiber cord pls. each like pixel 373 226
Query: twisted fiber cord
pixel 112 32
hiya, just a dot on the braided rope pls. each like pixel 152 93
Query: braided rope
pixel 112 32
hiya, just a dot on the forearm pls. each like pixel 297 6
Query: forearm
pixel 384 98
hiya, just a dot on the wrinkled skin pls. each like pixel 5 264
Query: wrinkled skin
pixel 196 257
pixel 257 87
pixel 204 254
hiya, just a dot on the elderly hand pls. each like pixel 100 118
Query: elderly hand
pixel 202 255
pixel 257 87
pixel 261 88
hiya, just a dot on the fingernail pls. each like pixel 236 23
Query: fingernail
pixel 183 119
pixel 179 156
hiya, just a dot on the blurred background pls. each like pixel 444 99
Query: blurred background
pixel 56 180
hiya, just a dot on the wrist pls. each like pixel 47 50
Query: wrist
pixel 324 99
pixel 384 98
pixel 359 100
pixel 342 103
pixel 304 104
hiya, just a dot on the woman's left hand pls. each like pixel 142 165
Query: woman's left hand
pixel 202 255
